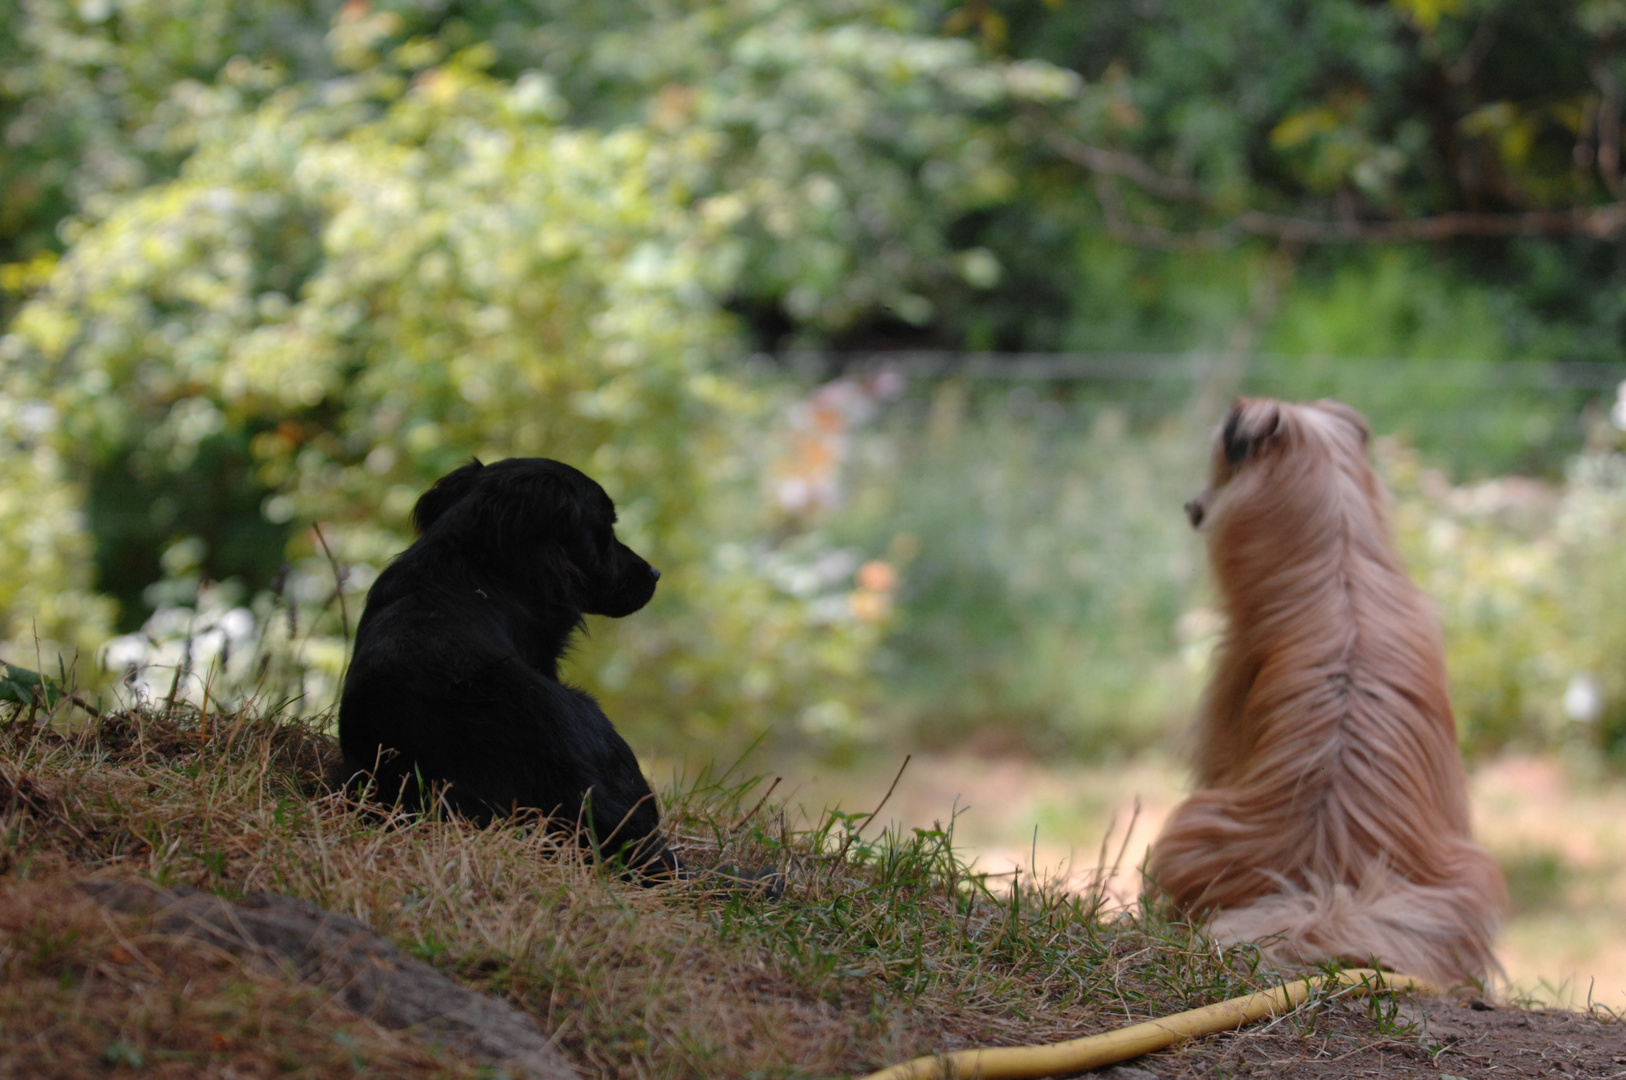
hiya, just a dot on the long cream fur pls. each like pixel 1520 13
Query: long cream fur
pixel 1330 818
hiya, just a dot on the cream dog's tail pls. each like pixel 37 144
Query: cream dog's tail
pixel 1442 933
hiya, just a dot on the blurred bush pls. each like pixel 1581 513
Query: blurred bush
pixel 1046 567
pixel 1437 360
pixel 356 284
pixel 375 301
pixel 1592 527
pixel 1530 580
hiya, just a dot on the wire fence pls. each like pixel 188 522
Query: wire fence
pixel 1188 367
pixel 1475 416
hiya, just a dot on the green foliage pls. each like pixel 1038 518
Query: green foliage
pixel 137 509
pixel 1593 576
pixel 1392 305
pixel 1486 555
pixel 1325 105
pixel 19 686
pixel 99 98
pixel 1133 300
pixel 313 255
pixel 1449 362
pixel 45 581
pixel 1433 356
pixel 379 300
pixel 1330 111
pixel 1528 580
pixel 848 138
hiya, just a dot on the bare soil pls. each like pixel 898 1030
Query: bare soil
pixel 1435 1039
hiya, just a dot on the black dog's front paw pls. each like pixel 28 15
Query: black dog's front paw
pixel 650 862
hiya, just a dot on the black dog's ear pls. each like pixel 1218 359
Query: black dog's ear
pixel 445 493
pixel 1248 426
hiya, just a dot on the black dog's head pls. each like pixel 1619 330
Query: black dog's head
pixel 542 521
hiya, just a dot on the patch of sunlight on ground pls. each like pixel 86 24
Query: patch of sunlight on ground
pixel 1561 839
pixel 1559 835
pixel 1013 813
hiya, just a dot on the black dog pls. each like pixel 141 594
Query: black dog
pixel 455 680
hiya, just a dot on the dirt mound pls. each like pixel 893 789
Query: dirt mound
pixel 86 991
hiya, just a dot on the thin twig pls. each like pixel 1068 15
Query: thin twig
pixel 1129 831
pixel 1461 70
pixel 203 719
pixel 746 820
pixel 1105 162
pixel 1608 127
pixel 871 815
pixel 1224 377
pixel 338 583
pixel 175 680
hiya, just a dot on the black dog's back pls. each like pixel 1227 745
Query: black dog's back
pixel 455 684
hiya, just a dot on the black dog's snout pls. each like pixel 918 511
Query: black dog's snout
pixel 654 573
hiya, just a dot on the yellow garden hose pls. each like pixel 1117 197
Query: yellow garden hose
pixel 1094 1051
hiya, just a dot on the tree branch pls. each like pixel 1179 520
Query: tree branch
pixel 1106 166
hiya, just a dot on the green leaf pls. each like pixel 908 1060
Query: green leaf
pixel 19 685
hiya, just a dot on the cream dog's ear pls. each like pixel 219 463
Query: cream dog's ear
pixel 1250 426
pixel 1349 415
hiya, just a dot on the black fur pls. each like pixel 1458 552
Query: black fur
pixel 1235 448
pixel 455 680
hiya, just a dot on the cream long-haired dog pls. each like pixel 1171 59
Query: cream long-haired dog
pixel 1331 816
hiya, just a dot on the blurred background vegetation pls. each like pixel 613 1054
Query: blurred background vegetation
pixel 895 327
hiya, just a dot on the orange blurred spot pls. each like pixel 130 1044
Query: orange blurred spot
pixel 878 576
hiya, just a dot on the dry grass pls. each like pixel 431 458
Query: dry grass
pixel 883 947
